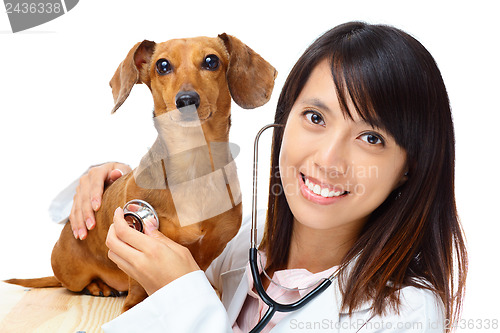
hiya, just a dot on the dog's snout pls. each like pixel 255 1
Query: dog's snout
pixel 185 98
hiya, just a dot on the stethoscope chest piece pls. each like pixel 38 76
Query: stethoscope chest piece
pixel 136 211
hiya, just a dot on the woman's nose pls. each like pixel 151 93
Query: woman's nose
pixel 331 157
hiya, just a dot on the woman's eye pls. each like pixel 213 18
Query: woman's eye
pixel 372 139
pixel 211 62
pixel 314 117
pixel 163 66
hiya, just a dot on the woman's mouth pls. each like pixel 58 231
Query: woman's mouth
pixel 320 193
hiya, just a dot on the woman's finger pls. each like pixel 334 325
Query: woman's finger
pixel 122 264
pixel 76 219
pixel 97 176
pixel 114 175
pixel 73 220
pixel 87 213
pixel 129 235
pixel 121 249
pixel 152 231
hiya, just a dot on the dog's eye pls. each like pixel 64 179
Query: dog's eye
pixel 163 66
pixel 211 62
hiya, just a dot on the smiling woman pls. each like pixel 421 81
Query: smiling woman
pixel 366 96
pixel 320 145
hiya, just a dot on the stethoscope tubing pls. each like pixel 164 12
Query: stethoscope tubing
pixel 273 305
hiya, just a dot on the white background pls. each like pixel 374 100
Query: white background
pixel 55 105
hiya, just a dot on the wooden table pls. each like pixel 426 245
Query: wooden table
pixel 54 310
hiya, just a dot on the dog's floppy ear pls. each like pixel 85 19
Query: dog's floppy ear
pixel 131 71
pixel 249 76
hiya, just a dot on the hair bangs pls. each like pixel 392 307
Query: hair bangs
pixel 351 91
pixel 367 77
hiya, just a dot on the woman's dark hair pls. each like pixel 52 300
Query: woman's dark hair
pixel 414 238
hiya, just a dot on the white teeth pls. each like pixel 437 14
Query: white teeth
pixel 324 192
pixel 334 194
pixel 309 184
pixel 317 189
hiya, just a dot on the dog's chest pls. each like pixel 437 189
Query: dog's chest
pixel 202 187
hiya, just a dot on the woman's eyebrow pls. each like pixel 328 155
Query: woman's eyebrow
pixel 364 123
pixel 318 103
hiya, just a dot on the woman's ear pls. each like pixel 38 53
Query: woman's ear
pixel 403 179
pixel 250 78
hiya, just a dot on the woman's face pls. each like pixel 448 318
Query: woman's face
pixel 335 171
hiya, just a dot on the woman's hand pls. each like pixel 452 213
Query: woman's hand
pixel 87 199
pixel 152 259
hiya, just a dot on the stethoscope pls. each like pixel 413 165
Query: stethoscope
pixel 273 305
pixel 136 211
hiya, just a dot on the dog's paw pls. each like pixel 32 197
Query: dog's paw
pixel 99 288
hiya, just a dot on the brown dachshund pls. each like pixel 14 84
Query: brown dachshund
pixel 203 73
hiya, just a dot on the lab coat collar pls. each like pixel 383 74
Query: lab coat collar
pixel 324 308
pixel 234 291
pixel 236 287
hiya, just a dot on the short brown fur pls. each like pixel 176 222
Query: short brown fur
pixel 244 76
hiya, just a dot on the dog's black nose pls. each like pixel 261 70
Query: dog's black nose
pixel 185 98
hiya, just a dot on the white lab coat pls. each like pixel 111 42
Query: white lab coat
pixel 189 304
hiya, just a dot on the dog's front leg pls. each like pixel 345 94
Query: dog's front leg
pixel 136 294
